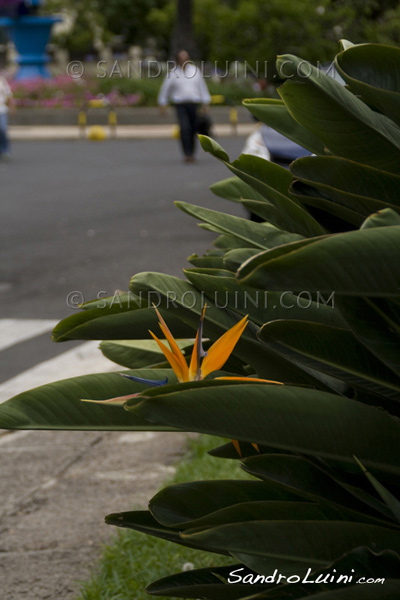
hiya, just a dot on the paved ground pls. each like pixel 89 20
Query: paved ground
pixel 84 217
pixel 57 488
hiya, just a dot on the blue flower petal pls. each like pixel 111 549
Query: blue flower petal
pixel 152 382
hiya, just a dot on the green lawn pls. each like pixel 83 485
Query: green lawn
pixel 133 560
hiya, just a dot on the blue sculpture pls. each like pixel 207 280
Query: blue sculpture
pixel 30 34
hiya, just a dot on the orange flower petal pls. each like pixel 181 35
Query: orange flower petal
pixel 182 372
pixel 176 351
pixel 220 351
pixel 198 352
pixel 237 447
pixel 249 380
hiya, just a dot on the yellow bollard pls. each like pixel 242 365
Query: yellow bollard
pixel 112 122
pixel 82 122
pixel 233 118
pixel 96 133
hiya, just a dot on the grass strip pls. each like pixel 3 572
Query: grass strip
pixel 133 560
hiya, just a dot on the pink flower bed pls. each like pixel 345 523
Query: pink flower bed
pixel 64 92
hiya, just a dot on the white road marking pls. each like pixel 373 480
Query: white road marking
pixel 14 331
pixel 83 360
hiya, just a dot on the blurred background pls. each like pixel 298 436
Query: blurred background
pixel 225 34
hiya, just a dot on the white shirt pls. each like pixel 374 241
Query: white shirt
pixel 184 85
pixel 5 95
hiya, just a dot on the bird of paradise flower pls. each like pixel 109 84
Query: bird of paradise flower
pixel 201 364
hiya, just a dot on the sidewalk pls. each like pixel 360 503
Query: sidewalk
pixel 70 132
pixel 56 487
pixel 53 505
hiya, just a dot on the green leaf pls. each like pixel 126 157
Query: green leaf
pixel 312 197
pixel 235 189
pixel 372 259
pixel 102 324
pixel 356 186
pixel 248 512
pixel 384 218
pixel 233 259
pixel 211 146
pixel 334 351
pixel 294 419
pixel 259 235
pixel 389 591
pixel 301 476
pixel 272 182
pixel 209 262
pixel 373 72
pixel 391 501
pixel 338 115
pixel 204 583
pixel 262 306
pixel 275 114
pixel 175 505
pixel 144 522
pixel 313 543
pixel 58 405
pixel 137 354
pixel 357 563
pixel 374 330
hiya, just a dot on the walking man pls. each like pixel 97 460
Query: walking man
pixel 186 89
pixel 5 99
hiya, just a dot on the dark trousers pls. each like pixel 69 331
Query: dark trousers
pixel 187 118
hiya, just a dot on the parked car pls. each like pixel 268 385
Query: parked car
pixel 271 145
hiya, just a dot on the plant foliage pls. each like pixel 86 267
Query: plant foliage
pixel 323 304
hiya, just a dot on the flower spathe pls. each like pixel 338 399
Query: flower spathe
pixel 201 363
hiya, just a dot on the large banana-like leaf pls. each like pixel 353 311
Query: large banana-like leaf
pixel 103 324
pixel 272 182
pixel 58 405
pixel 296 419
pixel 205 583
pixel 373 72
pixel 311 543
pixel 212 262
pixel 233 188
pixel 144 522
pixel 361 188
pixel 334 351
pixel 262 306
pixel 275 114
pixel 311 197
pixel 371 256
pixel 373 330
pixel 259 235
pixel 371 138
pixel 360 563
pixel 302 476
pixel 176 505
pixel 233 259
pixel 137 354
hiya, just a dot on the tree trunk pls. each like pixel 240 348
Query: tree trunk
pixel 182 35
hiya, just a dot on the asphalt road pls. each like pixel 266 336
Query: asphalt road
pixel 85 217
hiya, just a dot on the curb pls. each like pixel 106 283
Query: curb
pixel 70 132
